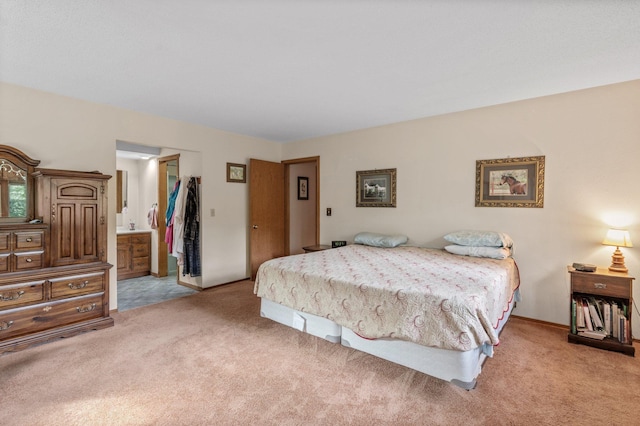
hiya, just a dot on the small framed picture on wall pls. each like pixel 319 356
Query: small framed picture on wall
pixel 303 188
pixel 236 172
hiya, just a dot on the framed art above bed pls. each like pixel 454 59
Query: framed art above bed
pixel 376 188
pixel 510 182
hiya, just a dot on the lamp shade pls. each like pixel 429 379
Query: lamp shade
pixel 618 238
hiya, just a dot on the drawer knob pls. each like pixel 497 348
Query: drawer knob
pixel 5 325
pixel 28 260
pixel 86 308
pixel 600 285
pixel 11 296
pixel 29 239
pixel 73 286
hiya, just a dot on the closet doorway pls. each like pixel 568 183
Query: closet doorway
pixel 168 174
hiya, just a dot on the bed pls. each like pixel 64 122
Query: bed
pixel 427 309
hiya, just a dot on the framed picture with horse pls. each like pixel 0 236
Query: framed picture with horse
pixel 510 182
pixel 376 188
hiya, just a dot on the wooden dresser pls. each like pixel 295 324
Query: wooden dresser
pixel 134 254
pixel 54 275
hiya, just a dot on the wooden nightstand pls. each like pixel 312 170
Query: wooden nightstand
pixel 603 289
pixel 318 247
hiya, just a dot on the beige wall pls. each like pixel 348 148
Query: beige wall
pixel 590 138
pixel 66 133
pixel 591 141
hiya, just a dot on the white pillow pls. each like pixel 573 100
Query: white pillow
pixel 480 238
pixel 379 240
pixel 492 252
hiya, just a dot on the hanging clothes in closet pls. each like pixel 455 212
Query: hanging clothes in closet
pixel 185 220
pixel 192 264
pixel 177 249
pixel 168 236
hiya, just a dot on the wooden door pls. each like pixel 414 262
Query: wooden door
pixel 267 212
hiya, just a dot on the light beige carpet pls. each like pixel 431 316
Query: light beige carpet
pixel 209 359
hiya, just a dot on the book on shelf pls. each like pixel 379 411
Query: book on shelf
pixel 580 317
pixel 595 315
pixel 574 319
pixel 587 314
pixel 623 329
pixel 606 312
pixel 615 322
pixel 599 335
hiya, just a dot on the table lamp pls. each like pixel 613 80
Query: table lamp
pixel 618 238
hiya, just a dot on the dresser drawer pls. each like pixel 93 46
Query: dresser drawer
pixel 5 238
pixel 4 262
pixel 31 319
pixel 602 286
pixel 140 250
pixel 20 294
pixel 141 239
pixel 28 240
pixel 29 260
pixel 141 264
pixel 77 285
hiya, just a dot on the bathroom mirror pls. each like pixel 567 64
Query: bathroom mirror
pixel 16 185
pixel 121 184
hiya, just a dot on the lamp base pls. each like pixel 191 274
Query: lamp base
pixel 617 262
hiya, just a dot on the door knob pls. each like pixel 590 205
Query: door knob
pixel 255 226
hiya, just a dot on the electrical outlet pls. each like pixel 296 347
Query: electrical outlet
pixel 213 212
pixel 328 211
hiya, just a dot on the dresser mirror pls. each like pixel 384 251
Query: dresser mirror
pixel 16 185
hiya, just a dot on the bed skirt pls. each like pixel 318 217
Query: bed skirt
pixel 461 368
pixel 458 367
pixel 302 321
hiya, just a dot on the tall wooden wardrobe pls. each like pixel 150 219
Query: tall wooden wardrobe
pixel 54 275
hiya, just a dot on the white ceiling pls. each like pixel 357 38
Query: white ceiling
pixel 292 70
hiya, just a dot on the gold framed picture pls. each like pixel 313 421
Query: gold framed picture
pixel 510 182
pixel 376 188
pixel 236 172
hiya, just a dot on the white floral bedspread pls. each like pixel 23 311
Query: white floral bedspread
pixel 426 296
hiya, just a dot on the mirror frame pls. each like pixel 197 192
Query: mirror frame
pixel 27 163
pixel 122 190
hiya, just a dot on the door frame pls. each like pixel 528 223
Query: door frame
pixel 163 197
pixel 287 218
